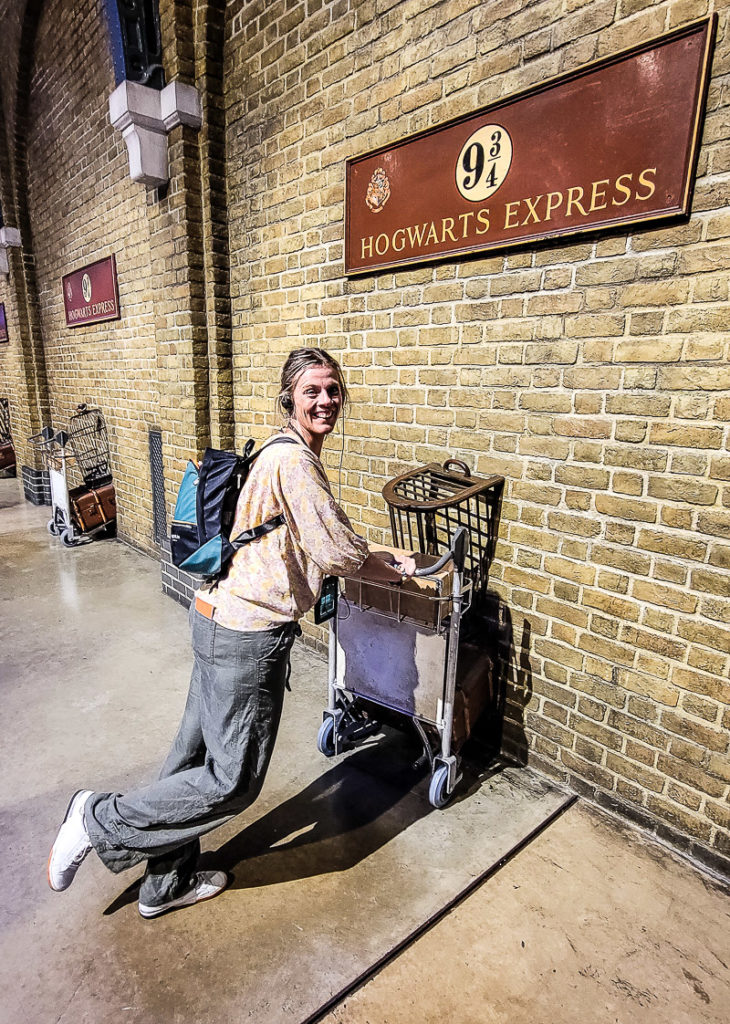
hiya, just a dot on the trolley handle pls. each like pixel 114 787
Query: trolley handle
pixel 457 462
pixel 457 552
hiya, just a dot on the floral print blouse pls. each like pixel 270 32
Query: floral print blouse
pixel 277 578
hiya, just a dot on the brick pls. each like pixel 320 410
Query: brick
pixel 707 710
pixel 611 605
pixel 602 736
pixel 648 779
pixel 623 508
pixel 692 378
pixel 627 561
pixel 649 350
pixel 681 726
pixel 716 524
pixel 689 491
pixel 638 729
pixel 648 686
pixel 686 436
pixel 587 770
pixel 594 325
pixel 711 582
pixel 667 597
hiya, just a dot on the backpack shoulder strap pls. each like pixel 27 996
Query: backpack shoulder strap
pixel 271 524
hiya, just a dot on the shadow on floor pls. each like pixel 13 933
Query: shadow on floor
pixel 338 820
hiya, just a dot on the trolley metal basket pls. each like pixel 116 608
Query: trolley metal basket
pixel 90 445
pixel 428 504
pixel 388 650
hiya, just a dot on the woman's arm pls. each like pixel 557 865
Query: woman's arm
pixel 321 527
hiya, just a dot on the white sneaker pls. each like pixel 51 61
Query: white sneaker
pixel 205 885
pixel 71 845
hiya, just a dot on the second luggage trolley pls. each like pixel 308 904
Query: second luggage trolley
pixel 397 646
pixel 82 451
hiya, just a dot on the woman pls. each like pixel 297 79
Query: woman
pixel 243 628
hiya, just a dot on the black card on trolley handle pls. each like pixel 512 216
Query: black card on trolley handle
pixel 326 607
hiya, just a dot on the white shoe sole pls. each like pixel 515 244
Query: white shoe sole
pixel 188 899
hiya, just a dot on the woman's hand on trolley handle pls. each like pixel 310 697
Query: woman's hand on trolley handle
pixel 385 567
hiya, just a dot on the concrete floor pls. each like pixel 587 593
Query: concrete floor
pixel 338 864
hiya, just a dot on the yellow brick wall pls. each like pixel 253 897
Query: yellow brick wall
pixel 593 376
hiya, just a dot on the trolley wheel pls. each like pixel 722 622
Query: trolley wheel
pixel 326 738
pixel 68 538
pixel 53 528
pixel 438 795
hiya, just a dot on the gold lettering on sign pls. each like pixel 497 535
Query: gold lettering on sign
pixel 531 211
pixel 649 184
pixel 554 200
pixel 595 193
pixel 574 197
pixel 575 201
pixel 447 230
pixel 381 251
pixel 623 189
pixel 509 213
pixel 465 218
pixel 483 218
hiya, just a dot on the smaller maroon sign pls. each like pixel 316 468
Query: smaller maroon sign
pixel 3 324
pixel 90 295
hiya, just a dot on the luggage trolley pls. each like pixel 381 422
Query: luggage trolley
pixel 397 646
pixel 83 450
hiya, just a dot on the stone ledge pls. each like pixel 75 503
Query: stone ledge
pixel 145 116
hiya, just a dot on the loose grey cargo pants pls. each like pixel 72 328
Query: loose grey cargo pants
pixel 216 766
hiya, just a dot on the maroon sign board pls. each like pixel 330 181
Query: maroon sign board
pixel 3 324
pixel 90 295
pixel 613 143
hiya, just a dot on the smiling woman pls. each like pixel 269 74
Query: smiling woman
pixel 243 627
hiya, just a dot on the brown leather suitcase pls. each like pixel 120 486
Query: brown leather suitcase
pixel 93 507
pixel 108 499
pixel 475 682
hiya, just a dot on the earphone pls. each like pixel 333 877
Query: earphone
pixel 287 403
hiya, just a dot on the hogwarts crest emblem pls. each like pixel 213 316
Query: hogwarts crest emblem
pixel 378 192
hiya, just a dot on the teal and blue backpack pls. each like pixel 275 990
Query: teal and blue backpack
pixel 200 538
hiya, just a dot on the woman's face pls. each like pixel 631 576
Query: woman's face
pixel 317 402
